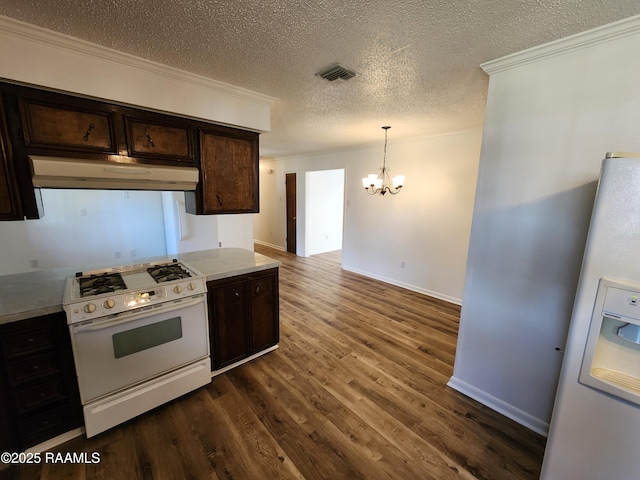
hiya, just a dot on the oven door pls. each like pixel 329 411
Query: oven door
pixel 117 352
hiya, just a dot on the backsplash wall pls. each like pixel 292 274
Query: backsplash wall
pixel 85 227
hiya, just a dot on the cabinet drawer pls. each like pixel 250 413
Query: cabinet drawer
pixel 33 368
pixel 45 425
pixel 47 126
pixel 159 140
pixel 30 342
pixel 40 395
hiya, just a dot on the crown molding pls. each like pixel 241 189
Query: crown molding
pixel 606 33
pixel 50 38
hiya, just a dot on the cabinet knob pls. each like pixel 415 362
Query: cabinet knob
pixel 236 293
pixel 258 289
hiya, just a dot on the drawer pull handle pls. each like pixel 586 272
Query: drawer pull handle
pixel 35 367
pixel 258 290
pixel 86 135
pixel 31 340
pixel 236 293
pixel 153 145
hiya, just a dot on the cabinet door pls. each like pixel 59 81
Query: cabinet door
pixel 51 126
pixel 227 326
pixel 170 142
pixel 229 172
pixel 9 200
pixel 265 323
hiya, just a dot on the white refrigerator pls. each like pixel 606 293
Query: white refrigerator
pixel 595 426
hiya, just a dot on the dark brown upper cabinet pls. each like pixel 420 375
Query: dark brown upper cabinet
pixel 161 140
pixel 42 122
pixel 228 173
pixel 10 208
pixel 50 126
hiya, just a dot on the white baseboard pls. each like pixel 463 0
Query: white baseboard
pixel 266 244
pixel 244 360
pixel 55 441
pixel 424 291
pixel 506 409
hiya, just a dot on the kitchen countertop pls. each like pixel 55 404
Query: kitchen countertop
pixel 32 294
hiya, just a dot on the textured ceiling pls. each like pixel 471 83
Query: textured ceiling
pixel 416 61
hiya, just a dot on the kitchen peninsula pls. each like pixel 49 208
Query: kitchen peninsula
pixel 27 295
pixel 40 394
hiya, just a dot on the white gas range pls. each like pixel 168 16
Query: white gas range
pixel 140 338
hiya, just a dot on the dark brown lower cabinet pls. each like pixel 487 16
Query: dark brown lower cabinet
pixel 244 316
pixel 39 396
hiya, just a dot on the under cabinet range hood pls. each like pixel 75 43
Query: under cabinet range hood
pixel 59 172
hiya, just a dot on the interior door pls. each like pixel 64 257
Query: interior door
pixel 290 181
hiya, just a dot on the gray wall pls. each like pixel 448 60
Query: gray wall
pixel 552 114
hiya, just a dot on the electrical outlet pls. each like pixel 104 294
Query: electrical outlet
pixel 403 264
pixel 118 254
pixel 126 194
pixel 83 212
pixel 220 244
pixel 34 263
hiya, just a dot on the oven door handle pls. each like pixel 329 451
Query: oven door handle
pixel 112 322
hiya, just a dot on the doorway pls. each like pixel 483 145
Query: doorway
pixel 324 211
pixel 290 187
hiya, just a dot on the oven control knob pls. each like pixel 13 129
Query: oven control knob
pixel 89 308
pixel 109 303
pixel 191 286
pixel 177 289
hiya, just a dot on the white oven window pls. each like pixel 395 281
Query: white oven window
pixel 146 337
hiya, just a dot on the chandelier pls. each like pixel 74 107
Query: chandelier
pixel 381 183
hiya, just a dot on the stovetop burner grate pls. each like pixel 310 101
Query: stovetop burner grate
pixel 168 273
pixel 101 283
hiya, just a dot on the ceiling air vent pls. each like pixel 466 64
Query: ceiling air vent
pixel 336 72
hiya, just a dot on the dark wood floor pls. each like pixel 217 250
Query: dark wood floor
pixel 357 390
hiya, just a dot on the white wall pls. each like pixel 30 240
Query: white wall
pixel 426 225
pixel 271 223
pixel 43 57
pixel 185 232
pixel 84 228
pixel 552 114
pixel 325 210
pixel 235 231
